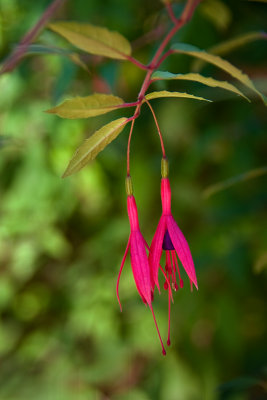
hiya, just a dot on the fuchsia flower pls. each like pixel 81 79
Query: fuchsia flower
pixel 169 237
pixel 139 259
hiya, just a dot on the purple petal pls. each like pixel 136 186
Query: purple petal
pixel 182 248
pixel 167 243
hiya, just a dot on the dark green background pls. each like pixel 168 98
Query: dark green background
pixel 62 336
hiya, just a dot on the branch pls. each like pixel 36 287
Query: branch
pixel 156 61
pixel 189 10
pixel 185 17
pixel 13 60
pixel 171 13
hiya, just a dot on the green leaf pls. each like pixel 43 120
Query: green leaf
pixel 219 62
pixel 239 384
pixel 85 107
pixel 165 93
pixel 231 45
pixel 260 264
pixel 164 75
pixel 41 49
pixel 76 59
pixel 94 39
pixel 217 12
pixel 94 144
pixel 219 186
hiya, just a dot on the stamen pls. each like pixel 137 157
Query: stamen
pixel 166 269
pixel 173 271
pixel 168 262
pixel 178 270
pixel 167 280
pixel 169 322
pixel 162 345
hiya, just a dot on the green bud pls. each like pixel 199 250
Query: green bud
pixel 164 167
pixel 129 186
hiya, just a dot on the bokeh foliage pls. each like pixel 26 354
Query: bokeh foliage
pixel 61 241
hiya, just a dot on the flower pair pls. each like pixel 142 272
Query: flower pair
pixel 167 237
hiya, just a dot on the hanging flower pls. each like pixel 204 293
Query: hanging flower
pixel 170 238
pixel 139 260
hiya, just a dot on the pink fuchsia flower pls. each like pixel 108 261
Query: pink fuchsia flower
pixel 170 238
pixel 139 260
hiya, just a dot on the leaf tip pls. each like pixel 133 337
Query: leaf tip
pixel 66 173
pixel 50 111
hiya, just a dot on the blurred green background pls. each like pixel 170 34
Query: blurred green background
pixel 62 336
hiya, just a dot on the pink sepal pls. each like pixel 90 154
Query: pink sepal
pixel 156 251
pixel 132 213
pixel 140 266
pixel 182 249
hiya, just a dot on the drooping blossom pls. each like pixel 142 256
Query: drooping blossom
pixel 170 238
pixel 139 260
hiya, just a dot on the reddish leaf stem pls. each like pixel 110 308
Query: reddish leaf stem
pixel 163 57
pixel 158 128
pixel 137 63
pixel 124 105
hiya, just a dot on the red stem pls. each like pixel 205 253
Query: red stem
pixel 133 118
pixel 171 13
pixel 124 105
pixel 137 63
pixel 156 61
pixel 158 128
pixel 165 55
pixel 20 50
